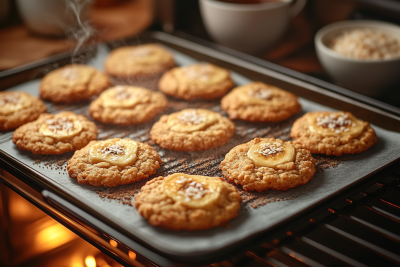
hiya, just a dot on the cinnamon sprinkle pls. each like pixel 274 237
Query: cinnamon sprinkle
pixel 123 194
pixel 323 162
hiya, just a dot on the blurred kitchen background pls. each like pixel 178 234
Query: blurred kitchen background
pixel 118 19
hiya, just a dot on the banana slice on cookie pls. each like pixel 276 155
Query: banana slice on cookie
pixel 12 102
pixel 119 152
pixel 271 154
pixel 61 126
pixel 124 97
pixel 335 123
pixel 193 191
pixel 191 120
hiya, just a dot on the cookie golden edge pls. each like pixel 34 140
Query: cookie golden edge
pixel 12 121
pixel 169 85
pixel 28 136
pixel 97 84
pixel 238 168
pixel 129 116
pixel 217 135
pixel 332 145
pixel 236 108
pixel 109 175
pixel 162 211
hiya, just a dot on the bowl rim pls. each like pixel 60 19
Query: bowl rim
pixel 245 7
pixel 351 24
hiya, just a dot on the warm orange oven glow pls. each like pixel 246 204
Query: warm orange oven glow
pixel 52 236
pixel 90 261
pixel 38 240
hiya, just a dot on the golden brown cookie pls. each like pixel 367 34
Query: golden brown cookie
pixel 192 130
pixel 55 134
pixel 188 202
pixel 198 81
pixel 260 102
pixel 268 163
pixel 113 162
pixel 139 62
pixel 17 108
pixel 127 105
pixel 73 83
pixel 333 133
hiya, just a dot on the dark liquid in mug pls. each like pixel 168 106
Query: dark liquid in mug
pixel 248 1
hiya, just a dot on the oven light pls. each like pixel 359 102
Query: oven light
pixel 113 243
pixel 90 261
pixel 132 255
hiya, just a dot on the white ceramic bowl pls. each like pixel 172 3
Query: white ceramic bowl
pixel 369 77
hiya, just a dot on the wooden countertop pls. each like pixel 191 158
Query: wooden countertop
pixel 18 46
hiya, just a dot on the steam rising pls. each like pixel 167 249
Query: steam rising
pixel 81 30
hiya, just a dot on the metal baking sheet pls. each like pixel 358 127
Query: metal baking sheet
pixel 250 222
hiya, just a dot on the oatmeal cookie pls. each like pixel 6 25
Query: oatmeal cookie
pixel 73 83
pixel 192 130
pixel 198 81
pixel 55 134
pixel 17 108
pixel 260 102
pixel 333 133
pixel 188 202
pixel 268 163
pixel 127 105
pixel 113 162
pixel 139 62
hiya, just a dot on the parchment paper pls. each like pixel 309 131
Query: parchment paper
pixel 249 221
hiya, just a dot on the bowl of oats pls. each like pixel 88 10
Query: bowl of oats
pixel 361 55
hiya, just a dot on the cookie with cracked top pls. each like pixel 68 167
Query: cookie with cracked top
pixel 55 134
pixel 73 83
pixel 126 105
pixel 192 130
pixel 188 202
pixel 197 81
pixel 268 163
pixel 260 102
pixel 18 108
pixel 333 133
pixel 113 162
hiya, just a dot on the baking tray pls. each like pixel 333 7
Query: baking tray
pixel 48 172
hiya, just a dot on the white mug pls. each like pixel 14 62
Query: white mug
pixel 250 28
pixel 53 17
